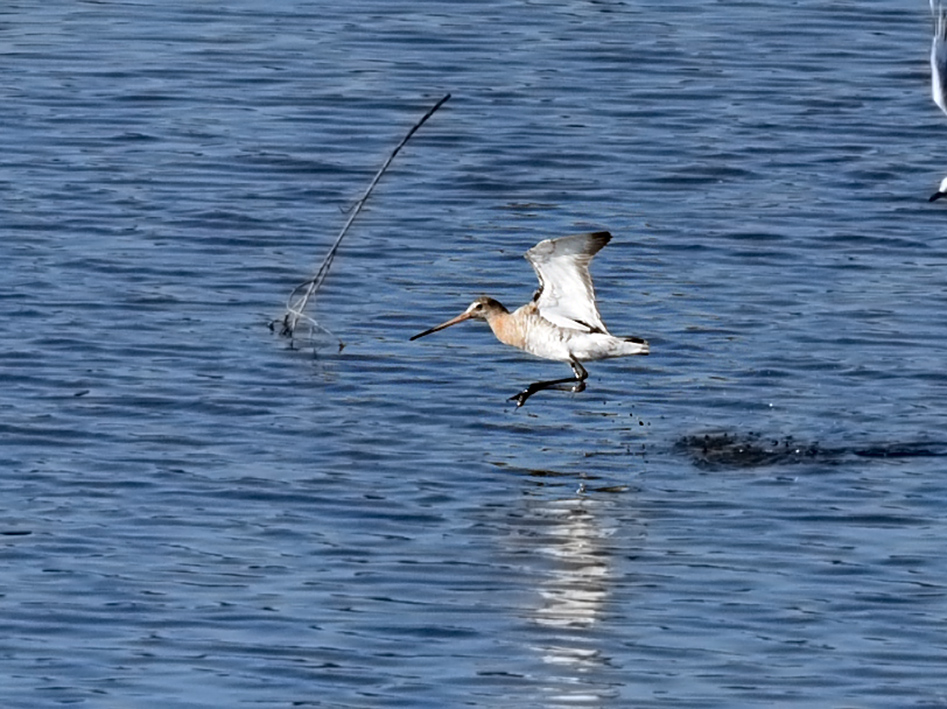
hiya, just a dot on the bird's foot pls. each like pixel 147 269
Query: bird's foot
pixel 521 397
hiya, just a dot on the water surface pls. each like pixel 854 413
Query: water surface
pixel 200 515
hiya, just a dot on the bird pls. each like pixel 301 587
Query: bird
pixel 939 74
pixel 562 321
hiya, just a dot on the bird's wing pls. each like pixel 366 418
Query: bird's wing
pixel 565 296
pixel 939 61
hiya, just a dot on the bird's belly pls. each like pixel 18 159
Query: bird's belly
pixel 541 338
pixel 563 344
pixel 545 340
pixel 590 346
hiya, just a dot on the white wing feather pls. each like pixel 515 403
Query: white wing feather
pixel 939 60
pixel 566 297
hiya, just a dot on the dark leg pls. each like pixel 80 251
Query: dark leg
pixel 578 384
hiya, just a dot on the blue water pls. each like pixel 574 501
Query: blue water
pixel 198 513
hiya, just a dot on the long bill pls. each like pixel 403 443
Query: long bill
pixel 453 321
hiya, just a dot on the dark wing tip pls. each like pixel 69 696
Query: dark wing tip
pixel 599 239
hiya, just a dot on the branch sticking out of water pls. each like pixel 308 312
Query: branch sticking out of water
pixel 299 298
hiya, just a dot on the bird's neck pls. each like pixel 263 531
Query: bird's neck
pixel 507 326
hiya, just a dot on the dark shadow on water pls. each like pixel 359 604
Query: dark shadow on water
pixel 753 450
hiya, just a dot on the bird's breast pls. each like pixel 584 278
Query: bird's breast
pixel 510 328
pixel 526 329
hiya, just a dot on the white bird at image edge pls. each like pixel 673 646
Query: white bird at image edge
pixel 939 74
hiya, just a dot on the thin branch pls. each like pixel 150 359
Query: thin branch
pixel 301 294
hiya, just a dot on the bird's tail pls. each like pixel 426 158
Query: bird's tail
pixel 634 346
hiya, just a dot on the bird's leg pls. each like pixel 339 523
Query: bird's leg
pixel 578 384
pixel 580 376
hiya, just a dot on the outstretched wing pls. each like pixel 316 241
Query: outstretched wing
pixel 566 297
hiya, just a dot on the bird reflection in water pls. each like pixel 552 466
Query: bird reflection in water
pixel 573 549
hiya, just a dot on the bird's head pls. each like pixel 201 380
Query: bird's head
pixel 482 308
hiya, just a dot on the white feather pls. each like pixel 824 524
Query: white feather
pixel 939 61
pixel 566 296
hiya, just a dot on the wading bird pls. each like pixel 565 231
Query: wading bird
pixel 562 321
pixel 939 74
